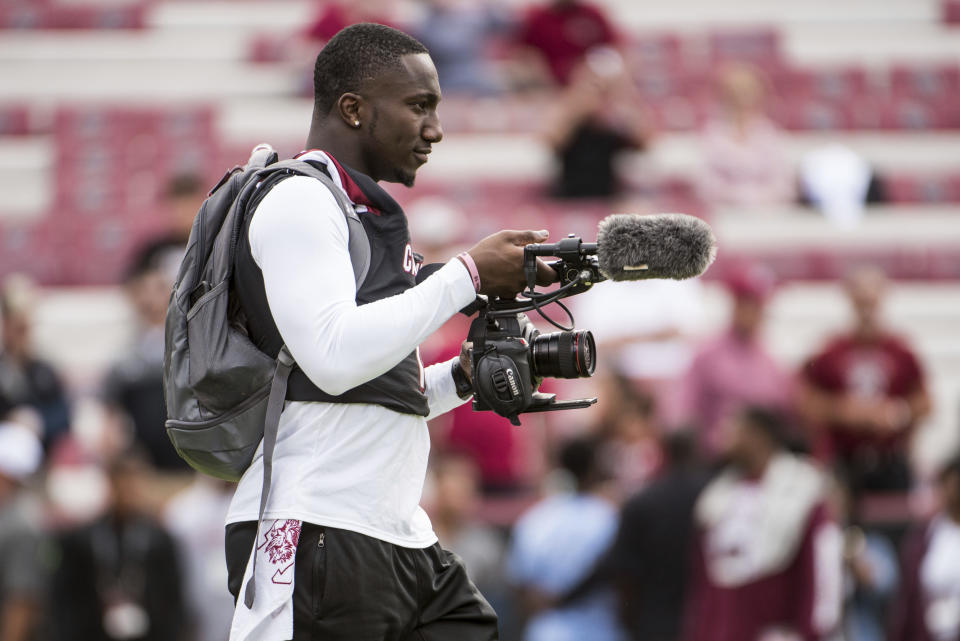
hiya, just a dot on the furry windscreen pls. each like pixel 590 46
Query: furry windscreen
pixel 635 247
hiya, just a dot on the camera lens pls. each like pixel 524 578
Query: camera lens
pixel 564 354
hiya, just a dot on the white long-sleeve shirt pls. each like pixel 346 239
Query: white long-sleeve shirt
pixel 353 466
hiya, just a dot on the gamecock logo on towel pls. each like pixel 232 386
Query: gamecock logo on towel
pixel 280 547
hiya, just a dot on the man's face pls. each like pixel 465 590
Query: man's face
pixel 747 316
pixel 402 122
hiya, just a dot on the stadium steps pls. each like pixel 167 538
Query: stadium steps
pixel 26 177
pixel 700 14
pixel 105 46
pixel 138 81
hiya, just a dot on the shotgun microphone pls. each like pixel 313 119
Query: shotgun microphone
pixel 637 247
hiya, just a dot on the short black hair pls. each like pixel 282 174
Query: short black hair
pixel 184 185
pixel 582 458
pixel 950 467
pixel 770 422
pixel 357 53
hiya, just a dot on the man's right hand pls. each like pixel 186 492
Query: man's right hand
pixel 499 259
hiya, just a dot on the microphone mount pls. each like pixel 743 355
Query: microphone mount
pixel 577 267
pixel 573 258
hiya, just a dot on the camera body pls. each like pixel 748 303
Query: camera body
pixel 510 356
pixel 503 378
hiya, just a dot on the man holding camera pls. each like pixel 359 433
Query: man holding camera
pixel 345 551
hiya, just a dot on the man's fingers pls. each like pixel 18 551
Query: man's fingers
pixel 528 237
pixel 546 275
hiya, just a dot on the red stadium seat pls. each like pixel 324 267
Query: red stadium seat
pixel 14 120
pixel 925 81
pixel 951 12
pixel 923 189
pixel 760 47
pixel 826 84
pixel 44 15
pixel 662 52
pixel 30 249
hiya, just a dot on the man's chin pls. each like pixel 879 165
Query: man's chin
pixel 405 178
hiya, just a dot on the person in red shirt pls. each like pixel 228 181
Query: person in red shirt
pixel 331 17
pixel 866 393
pixel 562 32
pixel 768 560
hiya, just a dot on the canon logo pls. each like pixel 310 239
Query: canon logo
pixel 512 379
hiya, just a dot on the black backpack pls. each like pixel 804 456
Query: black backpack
pixel 223 395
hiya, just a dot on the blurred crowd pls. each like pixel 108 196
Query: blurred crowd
pixel 713 494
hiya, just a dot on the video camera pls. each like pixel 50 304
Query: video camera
pixel 511 357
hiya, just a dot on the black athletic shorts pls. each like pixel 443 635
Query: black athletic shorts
pixel 351 587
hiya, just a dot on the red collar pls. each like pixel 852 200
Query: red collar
pixel 354 193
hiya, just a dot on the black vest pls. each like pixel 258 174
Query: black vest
pixel 399 389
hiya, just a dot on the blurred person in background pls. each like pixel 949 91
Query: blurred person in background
pixel 557 545
pixel 133 386
pixel 645 330
pixel 22 573
pixel 25 379
pixel 556 36
pixel 119 577
pixel 928 605
pixel 736 368
pixel 745 161
pixel 457 33
pixel 332 16
pixel 452 507
pixel 184 196
pixel 598 116
pixel 870 570
pixel 768 562
pixel 629 433
pixel 865 392
pixel 195 518
pixel 649 560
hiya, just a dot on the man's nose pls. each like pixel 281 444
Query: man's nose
pixel 432 131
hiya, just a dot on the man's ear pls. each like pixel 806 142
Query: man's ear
pixel 350 108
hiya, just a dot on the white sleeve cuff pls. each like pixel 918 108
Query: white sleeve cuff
pixel 441 390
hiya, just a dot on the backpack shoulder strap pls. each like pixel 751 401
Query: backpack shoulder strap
pixel 271 425
pixel 358 243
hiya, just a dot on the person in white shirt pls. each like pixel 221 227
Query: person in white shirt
pixel 345 551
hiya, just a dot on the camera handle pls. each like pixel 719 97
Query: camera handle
pixel 543 402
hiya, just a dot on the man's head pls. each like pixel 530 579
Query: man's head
pixel 742 89
pixel 16 305
pixel 148 287
pixel 866 288
pixel 456 486
pixel 375 102
pixel 755 435
pixel 185 193
pixel 129 475
pixel 750 287
pixel 582 459
pixel 950 487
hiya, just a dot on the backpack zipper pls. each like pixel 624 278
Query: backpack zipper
pixel 220 418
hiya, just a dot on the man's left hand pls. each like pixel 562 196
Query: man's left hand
pixel 466 364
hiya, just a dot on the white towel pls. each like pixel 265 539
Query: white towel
pixel 271 617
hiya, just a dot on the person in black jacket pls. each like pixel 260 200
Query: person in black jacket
pixel 649 558
pixel 119 577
